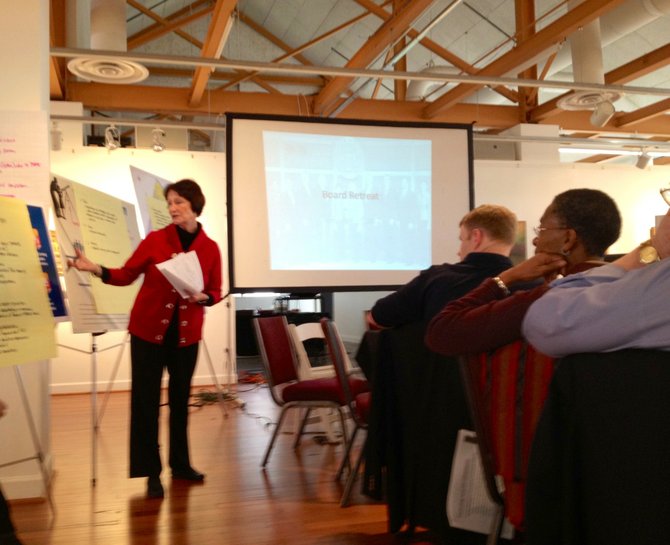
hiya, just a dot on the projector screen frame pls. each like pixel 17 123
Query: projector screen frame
pixel 231 117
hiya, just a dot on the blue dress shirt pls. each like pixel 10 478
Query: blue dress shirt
pixel 602 310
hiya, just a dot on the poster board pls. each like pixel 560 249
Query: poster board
pixel 105 229
pixel 45 253
pixel 25 312
pixel 151 201
pixel 24 156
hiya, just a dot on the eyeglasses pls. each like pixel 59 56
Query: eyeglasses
pixel 538 230
pixel 665 193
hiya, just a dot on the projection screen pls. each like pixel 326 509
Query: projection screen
pixel 342 205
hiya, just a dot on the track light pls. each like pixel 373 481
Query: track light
pixel 112 138
pixel 156 136
pixel 602 113
pixel 644 160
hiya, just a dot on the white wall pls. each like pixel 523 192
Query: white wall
pixel 26 82
pixel 109 172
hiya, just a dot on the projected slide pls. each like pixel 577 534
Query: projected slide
pixel 346 203
pixel 335 204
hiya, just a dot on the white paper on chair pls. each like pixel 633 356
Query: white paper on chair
pixel 469 506
pixel 184 273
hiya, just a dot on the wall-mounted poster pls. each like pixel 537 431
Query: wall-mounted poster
pixel 25 313
pixel 47 262
pixel 105 229
pixel 150 199
pixel 24 156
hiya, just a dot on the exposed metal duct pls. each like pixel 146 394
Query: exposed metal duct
pixel 587 65
pixel 422 89
pixel 108 33
pixel 621 21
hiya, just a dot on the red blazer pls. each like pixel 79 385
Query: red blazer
pixel 157 299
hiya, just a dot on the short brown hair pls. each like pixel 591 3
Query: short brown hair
pixel 499 222
pixel 190 191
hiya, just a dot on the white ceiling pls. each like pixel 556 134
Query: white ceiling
pixel 477 37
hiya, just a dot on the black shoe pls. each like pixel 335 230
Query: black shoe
pixel 188 474
pixel 9 539
pixel 155 488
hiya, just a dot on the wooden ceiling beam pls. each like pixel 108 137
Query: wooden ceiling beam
pixel 57 38
pixel 255 76
pixel 436 48
pixel 142 98
pixel 390 31
pixel 600 158
pixel 643 65
pixel 177 20
pixel 643 114
pixel 520 56
pixel 399 85
pixel 294 52
pixel 258 29
pixel 524 16
pixel 162 71
pixel 164 22
pixel 217 34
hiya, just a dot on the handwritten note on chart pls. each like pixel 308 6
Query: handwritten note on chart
pixel 24 157
pixel 25 312
pixel 105 229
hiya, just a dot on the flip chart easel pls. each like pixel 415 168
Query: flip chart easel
pixel 39 452
pixel 93 352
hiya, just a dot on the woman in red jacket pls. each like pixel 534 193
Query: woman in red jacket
pixel 165 332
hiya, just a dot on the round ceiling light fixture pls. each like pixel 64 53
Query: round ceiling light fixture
pixel 108 70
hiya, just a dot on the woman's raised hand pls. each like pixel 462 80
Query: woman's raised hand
pixel 83 263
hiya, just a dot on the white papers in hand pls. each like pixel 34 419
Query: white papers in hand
pixel 184 273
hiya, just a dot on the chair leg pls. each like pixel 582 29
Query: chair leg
pixel 271 444
pixel 301 429
pixel 345 458
pixel 351 479
pixel 496 526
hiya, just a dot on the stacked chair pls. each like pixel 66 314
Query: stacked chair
pixel 286 388
pixel 357 400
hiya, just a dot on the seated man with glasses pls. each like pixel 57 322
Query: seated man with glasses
pixel 574 233
pixel 623 305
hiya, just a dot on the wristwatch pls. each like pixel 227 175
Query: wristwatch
pixel 648 253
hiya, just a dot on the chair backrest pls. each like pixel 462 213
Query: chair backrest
pixel 506 390
pixel 300 334
pixel 338 354
pixel 599 469
pixel 276 350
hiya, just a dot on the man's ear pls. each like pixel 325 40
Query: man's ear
pixel 477 237
pixel 570 241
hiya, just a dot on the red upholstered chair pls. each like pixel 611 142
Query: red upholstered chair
pixel 357 395
pixel 279 359
pixel 506 390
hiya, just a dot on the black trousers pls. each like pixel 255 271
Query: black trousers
pixel 6 526
pixel 148 361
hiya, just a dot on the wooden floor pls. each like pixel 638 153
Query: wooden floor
pixel 294 501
